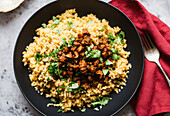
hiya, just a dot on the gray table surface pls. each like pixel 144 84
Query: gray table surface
pixel 12 102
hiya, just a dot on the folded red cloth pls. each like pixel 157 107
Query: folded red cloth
pixel 153 96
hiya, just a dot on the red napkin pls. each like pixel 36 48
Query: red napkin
pixel 153 96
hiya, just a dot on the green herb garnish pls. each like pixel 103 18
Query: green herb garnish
pixel 58 91
pixel 118 82
pixel 104 101
pixel 64 42
pixel 72 110
pixel 110 36
pixel 93 54
pixel 55 22
pixel 38 57
pixel 44 25
pixel 108 62
pixel 63 86
pixel 71 25
pixel 70 43
pixel 105 71
pixel 102 29
pixel 53 100
pixel 83 109
pixel 115 56
pixel 60 110
pixel 122 35
pixel 54 18
pixel 97 109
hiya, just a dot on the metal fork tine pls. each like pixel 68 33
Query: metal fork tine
pixel 144 43
pixel 150 40
pixel 147 42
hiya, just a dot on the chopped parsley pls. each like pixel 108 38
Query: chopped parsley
pixel 105 71
pixel 115 56
pixel 114 51
pixel 101 59
pixel 122 35
pixel 44 25
pixel 48 79
pixel 47 47
pixel 38 57
pixel 83 109
pixel 72 110
pixel 93 54
pixel 72 86
pixel 118 82
pixel 110 36
pixel 97 109
pixel 64 42
pixel 53 68
pixel 45 55
pixel 71 25
pixel 60 110
pixel 53 100
pixel 108 62
pixel 63 86
pixel 102 29
pixel 55 22
pixel 104 101
pixel 90 47
pixel 44 74
pixel 58 91
pixel 70 43
pixel 54 18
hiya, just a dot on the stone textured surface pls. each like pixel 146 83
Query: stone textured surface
pixel 12 102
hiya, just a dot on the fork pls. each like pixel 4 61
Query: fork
pixel 151 53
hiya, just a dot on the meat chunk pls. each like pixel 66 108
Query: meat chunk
pixel 96 62
pixel 79 35
pixel 78 82
pixel 99 72
pixel 83 66
pixel 66 49
pixel 64 73
pixel 85 32
pixel 104 54
pixel 76 55
pixel 80 48
pixel 86 86
pixel 90 78
pixel 102 47
pixel 82 54
pixel 75 66
pixel 92 68
pixel 62 58
pixel 87 40
pixel 73 49
pixel 69 55
pixel 106 80
pixel 77 43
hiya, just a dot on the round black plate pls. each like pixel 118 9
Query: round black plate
pixel 83 7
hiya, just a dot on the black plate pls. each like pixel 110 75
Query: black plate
pixel 83 7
